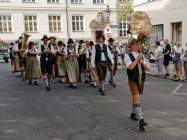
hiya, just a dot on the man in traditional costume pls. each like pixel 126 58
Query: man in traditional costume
pixel 82 61
pixel 47 53
pixel 91 72
pixel 72 66
pixel 115 53
pixel 136 66
pixel 101 59
pixel 60 69
pixel 11 54
pixel 32 66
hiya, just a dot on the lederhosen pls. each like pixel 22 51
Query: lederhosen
pixel 32 67
pixel 115 57
pixel 81 60
pixel 136 81
pixel 72 67
pixel 101 66
pixel 46 61
pixel 60 70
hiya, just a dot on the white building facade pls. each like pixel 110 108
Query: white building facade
pixel 169 18
pixel 62 18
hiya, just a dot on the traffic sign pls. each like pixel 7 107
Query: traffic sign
pixel 108 29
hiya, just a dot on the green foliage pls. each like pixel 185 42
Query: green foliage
pixel 125 11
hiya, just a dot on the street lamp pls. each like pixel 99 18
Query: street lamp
pixel 107 13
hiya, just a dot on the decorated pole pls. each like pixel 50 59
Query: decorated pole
pixel 141 28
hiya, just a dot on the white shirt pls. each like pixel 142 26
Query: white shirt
pixel 52 47
pixel 103 58
pixel 159 52
pixel 128 61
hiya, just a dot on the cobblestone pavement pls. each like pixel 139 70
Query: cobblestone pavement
pixel 31 113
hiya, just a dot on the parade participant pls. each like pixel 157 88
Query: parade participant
pixel 72 67
pixel 32 66
pixel 91 71
pixel 52 43
pixel 60 70
pixel 11 54
pixel 115 53
pixel 17 54
pixel 101 58
pixel 47 53
pixel 136 66
pixel 82 61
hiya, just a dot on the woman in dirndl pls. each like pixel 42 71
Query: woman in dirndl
pixel 92 74
pixel 60 69
pixel 72 64
pixel 32 67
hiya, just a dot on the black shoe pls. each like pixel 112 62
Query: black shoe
pixel 167 74
pixel 74 86
pixel 114 85
pixel 102 92
pixel 48 88
pixel 142 125
pixel 110 82
pixel 134 117
pixel 30 82
pixel 86 81
pixel 35 82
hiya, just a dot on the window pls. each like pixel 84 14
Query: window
pixel 77 23
pixel 122 1
pixel 5 23
pixel 98 1
pixel 53 1
pixel 4 0
pixel 30 23
pixel 55 23
pixel 123 28
pixel 29 0
pixel 76 1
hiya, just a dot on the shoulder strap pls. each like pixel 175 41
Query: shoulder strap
pixel 132 58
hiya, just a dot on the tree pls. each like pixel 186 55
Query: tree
pixel 125 11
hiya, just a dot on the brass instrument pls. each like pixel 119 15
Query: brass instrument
pixel 25 39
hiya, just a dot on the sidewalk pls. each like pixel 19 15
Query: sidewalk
pixel 154 72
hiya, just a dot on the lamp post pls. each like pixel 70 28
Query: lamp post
pixel 107 13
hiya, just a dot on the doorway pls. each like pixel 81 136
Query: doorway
pixel 176 32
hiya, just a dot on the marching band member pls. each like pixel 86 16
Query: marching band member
pixel 17 55
pixel 52 43
pixel 47 53
pixel 101 58
pixel 72 67
pixel 60 69
pixel 32 66
pixel 82 60
pixel 115 52
pixel 11 54
pixel 91 72
pixel 136 66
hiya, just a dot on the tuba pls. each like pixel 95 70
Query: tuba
pixel 25 39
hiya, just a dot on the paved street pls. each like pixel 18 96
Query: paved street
pixel 31 113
